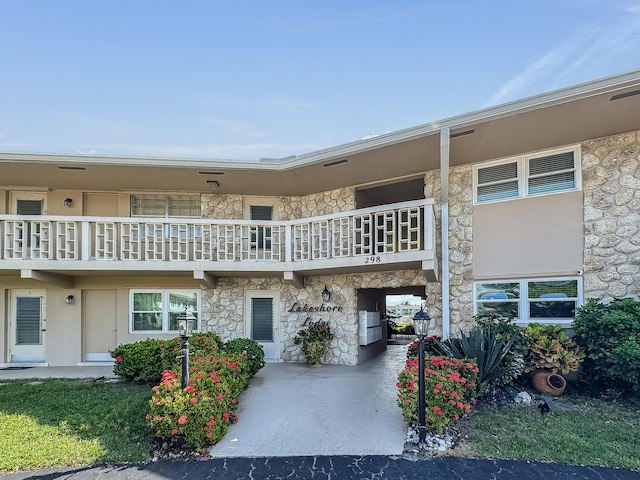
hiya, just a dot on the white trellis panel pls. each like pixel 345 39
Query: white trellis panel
pixel 66 241
pixel 204 239
pixel 179 235
pixel 410 229
pixel 226 243
pixel 14 234
pixel 362 234
pixel 130 241
pixel 153 241
pixel 301 242
pixel 105 241
pixel 340 237
pixel 260 242
pixel 40 239
pixel 320 240
pixel 385 227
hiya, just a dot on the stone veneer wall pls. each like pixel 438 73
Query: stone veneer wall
pixel 223 307
pixel 611 185
pixel 315 204
pixel 460 246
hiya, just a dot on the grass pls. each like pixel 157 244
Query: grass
pixel 82 422
pixel 72 422
pixel 578 431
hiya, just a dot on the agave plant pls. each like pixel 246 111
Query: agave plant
pixel 483 345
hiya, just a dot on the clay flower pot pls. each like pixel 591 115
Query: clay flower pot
pixel 548 382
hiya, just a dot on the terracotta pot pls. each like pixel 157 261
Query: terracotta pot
pixel 548 382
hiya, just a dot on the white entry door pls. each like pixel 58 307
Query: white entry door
pixel 27 326
pixel 262 325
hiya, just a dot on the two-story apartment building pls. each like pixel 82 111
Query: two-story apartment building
pixel 526 209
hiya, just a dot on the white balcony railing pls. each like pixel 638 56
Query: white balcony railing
pixel 398 228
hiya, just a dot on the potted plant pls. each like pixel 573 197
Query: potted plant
pixel 551 354
pixel 314 338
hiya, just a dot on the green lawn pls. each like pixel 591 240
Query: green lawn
pixel 579 431
pixel 81 422
pixel 72 422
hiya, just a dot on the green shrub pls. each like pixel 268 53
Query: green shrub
pixel 450 389
pixel 253 351
pixel 431 347
pixel 139 361
pixel 144 361
pixel 610 336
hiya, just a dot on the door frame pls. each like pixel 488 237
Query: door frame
pixel 32 353
pixel 271 349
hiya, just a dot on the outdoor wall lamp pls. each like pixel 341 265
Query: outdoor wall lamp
pixel 69 300
pixel 326 294
pixel 68 201
pixel 186 322
pixel 421 324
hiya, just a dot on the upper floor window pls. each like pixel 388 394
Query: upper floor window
pixel 165 206
pixel 540 300
pixel 529 175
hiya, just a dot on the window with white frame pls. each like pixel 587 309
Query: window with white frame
pixel 529 175
pixel 165 206
pixel 532 300
pixel 157 310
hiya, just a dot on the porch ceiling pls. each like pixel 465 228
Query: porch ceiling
pixel 561 118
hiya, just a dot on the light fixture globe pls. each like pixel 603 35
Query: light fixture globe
pixel 421 322
pixel 326 294
pixel 186 322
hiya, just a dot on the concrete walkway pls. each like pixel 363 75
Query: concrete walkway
pixel 291 409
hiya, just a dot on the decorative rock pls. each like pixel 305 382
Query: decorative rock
pixel 523 397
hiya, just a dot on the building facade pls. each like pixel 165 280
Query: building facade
pixel 540 211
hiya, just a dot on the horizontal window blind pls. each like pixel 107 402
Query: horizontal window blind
pixel 28 328
pixel 497 182
pixel 551 173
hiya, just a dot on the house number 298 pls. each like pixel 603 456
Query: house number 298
pixel 372 259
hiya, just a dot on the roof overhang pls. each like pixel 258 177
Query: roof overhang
pixel 572 115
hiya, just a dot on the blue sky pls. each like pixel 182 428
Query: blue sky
pixel 251 79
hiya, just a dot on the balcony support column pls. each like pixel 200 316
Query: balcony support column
pixel 206 279
pixel 445 141
pixel 294 278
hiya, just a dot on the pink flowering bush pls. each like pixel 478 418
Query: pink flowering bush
pixel 202 412
pixel 450 390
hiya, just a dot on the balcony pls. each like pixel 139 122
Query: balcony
pixel 54 249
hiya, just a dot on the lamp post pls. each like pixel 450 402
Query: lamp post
pixel 186 321
pixel 421 324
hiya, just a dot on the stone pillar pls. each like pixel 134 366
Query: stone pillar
pixel 611 185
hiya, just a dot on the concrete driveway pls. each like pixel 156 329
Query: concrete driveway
pixel 291 409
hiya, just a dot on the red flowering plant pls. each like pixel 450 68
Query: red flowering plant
pixel 450 389
pixel 201 413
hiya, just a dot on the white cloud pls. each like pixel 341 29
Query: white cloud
pixel 595 49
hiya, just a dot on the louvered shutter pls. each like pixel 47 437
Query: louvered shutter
pixel 262 319
pixel 28 330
